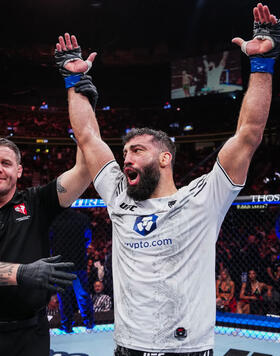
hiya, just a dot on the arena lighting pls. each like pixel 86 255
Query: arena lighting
pixel 44 106
pixel 200 4
pixel 275 177
pixel 73 138
pixel 174 125
pixel 41 140
pixel 96 3
pixel 10 130
pixel 253 334
pixel 188 128
pixel 106 108
pixel 71 135
pixel 222 330
pixel 83 329
pixel 167 105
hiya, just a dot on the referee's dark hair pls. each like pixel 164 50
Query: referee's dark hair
pixel 12 146
pixel 159 136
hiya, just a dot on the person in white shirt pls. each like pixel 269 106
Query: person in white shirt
pixel 164 238
pixel 214 72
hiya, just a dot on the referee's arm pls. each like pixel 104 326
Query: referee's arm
pixel 8 274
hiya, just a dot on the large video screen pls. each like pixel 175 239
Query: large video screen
pixel 208 74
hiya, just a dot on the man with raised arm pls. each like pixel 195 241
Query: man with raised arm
pixel 164 238
pixel 27 276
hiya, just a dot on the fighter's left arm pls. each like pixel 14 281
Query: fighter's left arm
pixel 236 154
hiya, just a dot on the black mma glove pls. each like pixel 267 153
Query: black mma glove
pixel 264 62
pixel 46 273
pixel 86 88
pixel 64 57
pixel 268 31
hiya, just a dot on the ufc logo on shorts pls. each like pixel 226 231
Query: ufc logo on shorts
pixel 153 354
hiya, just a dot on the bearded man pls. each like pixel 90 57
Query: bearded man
pixel 164 238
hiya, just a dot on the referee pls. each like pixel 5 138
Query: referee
pixel 27 276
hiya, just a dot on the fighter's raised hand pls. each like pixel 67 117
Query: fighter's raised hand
pixel 68 57
pixel 266 34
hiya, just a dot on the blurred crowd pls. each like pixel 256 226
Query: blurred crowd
pixel 44 163
pixel 177 119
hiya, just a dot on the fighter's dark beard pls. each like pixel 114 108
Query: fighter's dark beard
pixel 148 182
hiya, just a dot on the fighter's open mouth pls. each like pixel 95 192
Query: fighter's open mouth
pixel 132 175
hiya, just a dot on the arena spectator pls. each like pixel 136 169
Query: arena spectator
pixel 101 301
pixel 252 295
pixel 272 267
pixel 225 290
pixel 53 307
pixel 95 268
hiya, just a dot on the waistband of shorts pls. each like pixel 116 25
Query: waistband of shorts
pixel 21 324
pixel 124 351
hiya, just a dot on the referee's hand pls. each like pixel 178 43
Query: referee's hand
pixel 46 273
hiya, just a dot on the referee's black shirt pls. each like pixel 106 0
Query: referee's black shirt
pixel 24 238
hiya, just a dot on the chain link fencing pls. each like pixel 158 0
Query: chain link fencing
pixel 247 264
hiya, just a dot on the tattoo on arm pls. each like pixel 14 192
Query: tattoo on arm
pixel 59 187
pixel 6 272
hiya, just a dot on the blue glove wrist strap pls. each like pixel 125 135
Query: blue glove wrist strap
pixel 262 65
pixel 72 80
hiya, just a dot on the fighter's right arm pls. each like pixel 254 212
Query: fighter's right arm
pixel 83 120
pixel 8 274
pixel 81 108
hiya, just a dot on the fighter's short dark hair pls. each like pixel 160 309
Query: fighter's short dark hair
pixel 159 136
pixel 12 146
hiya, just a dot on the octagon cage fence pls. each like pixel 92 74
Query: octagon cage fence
pixel 247 266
